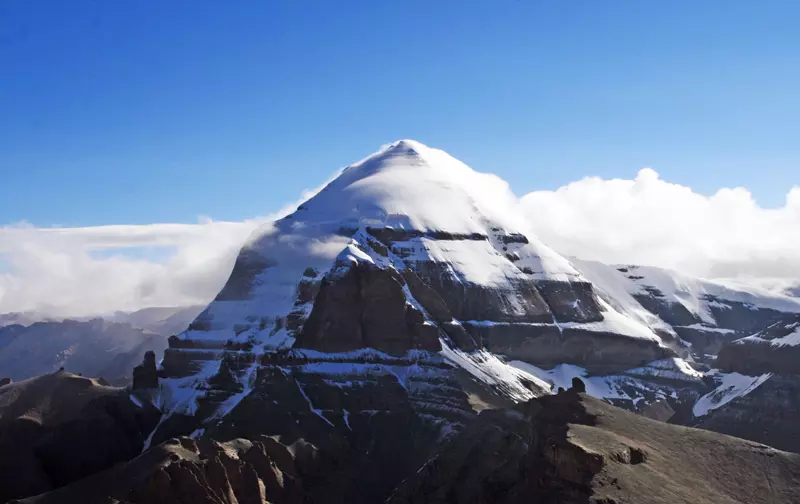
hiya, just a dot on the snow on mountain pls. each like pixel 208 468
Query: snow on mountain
pixel 417 193
pixel 669 378
pixel 614 287
pixel 670 369
pixel 699 295
pixel 704 313
pixel 729 387
pixel 696 295
pixel 790 336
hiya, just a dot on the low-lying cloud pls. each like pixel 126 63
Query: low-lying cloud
pixel 89 271
pixel 60 272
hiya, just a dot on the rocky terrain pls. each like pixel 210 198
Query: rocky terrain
pixel 58 428
pixel 565 448
pixel 570 448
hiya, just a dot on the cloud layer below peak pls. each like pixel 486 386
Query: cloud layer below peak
pixel 71 272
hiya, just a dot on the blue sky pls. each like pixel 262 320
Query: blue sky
pixel 146 111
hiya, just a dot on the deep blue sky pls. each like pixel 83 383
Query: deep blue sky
pixel 160 111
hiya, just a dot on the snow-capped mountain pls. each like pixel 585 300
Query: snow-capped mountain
pixel 409 271
pixel 357 340
pixel 413 273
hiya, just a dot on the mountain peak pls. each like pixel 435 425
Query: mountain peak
pixel 405 144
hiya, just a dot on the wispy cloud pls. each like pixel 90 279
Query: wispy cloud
pixel 55 272
pixel 87 271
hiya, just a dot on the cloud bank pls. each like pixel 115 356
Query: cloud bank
pixel 89 271
pixel 60 272
pixel 650 221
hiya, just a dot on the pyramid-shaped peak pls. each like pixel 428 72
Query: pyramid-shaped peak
pixel 407 184
pixel 408 155
pixel 406 145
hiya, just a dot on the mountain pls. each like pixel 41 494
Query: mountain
pixel 16 318
pixel 408 267
pixel 93 348
pixel 163 320
pixel 411 268
pixel 757 394
pixel 404 334
pixel 31 345
pixel 705 313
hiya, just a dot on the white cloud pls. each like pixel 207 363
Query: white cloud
pixel 651 221
pixel 95 270
pixel 87 271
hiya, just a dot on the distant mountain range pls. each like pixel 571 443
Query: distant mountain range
pixel 108 347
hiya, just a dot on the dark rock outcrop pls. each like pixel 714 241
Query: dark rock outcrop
pixel 145 375
pixel 547 346
pixel 562 449
pixel 365 307
pixel 262 471
pixel 5 381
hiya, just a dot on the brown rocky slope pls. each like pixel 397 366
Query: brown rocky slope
pixel 58 428
pixel 567 448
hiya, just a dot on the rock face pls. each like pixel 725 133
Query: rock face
pixel 766 407
pixel 768 414
pixel 184 470
pixel 366 307
pixel 58 428
pixel 776 349
pixel 705 313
